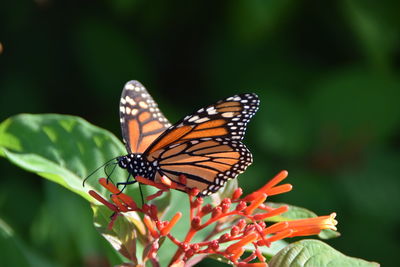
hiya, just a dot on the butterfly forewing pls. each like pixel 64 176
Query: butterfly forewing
pixel 225 119
pixel 141 120
pixel 205 162
pixel 204 147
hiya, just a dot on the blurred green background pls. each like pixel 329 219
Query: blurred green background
pixel 327 74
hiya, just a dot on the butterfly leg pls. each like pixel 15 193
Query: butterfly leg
pixel 124 184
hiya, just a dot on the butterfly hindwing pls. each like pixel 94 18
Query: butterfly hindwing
pixel 207 163
pixel 225 119
pixel 141 120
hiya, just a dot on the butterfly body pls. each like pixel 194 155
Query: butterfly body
pixel 137 165
pixel 205 146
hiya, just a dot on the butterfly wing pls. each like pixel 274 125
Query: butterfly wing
pixel 206 163
pixel 141 120
pixel 225 119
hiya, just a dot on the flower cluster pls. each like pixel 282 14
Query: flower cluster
pixel 239 222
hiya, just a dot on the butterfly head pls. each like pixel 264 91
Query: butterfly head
pixel 123 161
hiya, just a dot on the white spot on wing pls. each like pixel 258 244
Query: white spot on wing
pixel 143 104
pixel 193 118
pixel 129 86
pixel 202 120
pixel 227 114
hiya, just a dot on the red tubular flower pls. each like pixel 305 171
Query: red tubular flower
pixel 251 237
pixel 267 187
pixel 313 226
pixel 103 201
pixel 236 255
pixel 242 224
pixel 255 203
pixel 120 204
pixel 277 211
pixel 109 186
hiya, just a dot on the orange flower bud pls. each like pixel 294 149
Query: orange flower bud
pixel 241 206
pixel 171 224
pixel 237 193
pixel 235 230
pixel 150 226
pixel 216 212
pixel 196 222
pixel 206 209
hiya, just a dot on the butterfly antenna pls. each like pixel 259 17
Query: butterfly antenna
pixel 109 174
pixel 84 181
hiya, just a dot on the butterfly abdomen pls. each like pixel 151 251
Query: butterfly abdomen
pixel 137 165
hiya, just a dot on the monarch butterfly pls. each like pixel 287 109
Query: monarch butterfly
pixel 205 146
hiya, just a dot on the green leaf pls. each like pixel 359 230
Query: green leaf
pixel 64 149
pixel 15 252
pixel 294 213
pixel 308 253
pixel 126 235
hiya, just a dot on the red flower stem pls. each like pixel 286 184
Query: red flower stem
pixel 259 255
pixel 174 240
pixel 190 233
pixel 217 218
pixel 251 257
pixel 191 207
pixel 154 262
pixel 157 194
